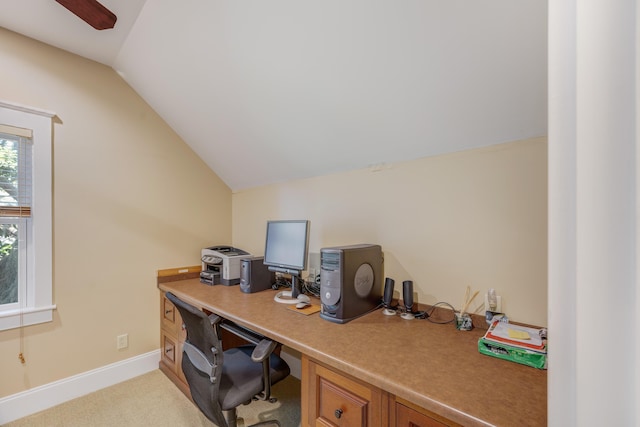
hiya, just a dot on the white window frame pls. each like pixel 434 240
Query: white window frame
pixel 37 306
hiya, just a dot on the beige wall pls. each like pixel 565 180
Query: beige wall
pixel 476 218
pixel 129 198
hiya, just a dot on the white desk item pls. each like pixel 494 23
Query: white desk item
pixel 284 297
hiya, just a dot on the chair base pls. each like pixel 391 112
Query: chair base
pixel 231 417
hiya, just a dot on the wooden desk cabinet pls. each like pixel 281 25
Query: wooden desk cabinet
pixel 345 384
pixel 329 398
pixel 334 399
pixel 172 336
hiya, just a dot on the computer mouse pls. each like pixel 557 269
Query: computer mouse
pixel 302 305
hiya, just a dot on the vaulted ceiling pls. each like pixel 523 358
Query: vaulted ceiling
pixel 269 91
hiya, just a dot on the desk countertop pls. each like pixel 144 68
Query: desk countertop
pixel 431 365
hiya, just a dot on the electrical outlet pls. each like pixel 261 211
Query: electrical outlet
pixel 122 341
pixel 498 305
pixel 314 261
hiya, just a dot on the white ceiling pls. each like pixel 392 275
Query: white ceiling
pixel 276 90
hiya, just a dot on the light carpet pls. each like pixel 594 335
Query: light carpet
pixel 152 399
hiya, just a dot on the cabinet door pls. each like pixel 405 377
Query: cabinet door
pixel 333 399
pixel 172 336
pixel 170 320
pixel 169 351
pixel 406 416
pixel 337 406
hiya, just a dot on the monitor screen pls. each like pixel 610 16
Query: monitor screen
pixel 286 246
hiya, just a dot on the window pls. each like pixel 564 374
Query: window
pixel 25 216
pixel 15 214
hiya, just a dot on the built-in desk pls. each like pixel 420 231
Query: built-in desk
pixel 415 362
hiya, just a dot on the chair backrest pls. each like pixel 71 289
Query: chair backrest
pixel 202 359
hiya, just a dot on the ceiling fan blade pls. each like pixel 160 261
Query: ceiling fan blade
pixel 92 12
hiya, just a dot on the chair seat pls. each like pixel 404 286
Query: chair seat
pixel 240 379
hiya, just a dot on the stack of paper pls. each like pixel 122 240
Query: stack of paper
pixel 515 343
pixel 516 336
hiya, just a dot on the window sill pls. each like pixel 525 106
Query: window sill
pixel 12 319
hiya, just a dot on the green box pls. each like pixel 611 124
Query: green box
pixel 513 354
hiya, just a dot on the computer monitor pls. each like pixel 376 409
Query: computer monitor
pixel 286 249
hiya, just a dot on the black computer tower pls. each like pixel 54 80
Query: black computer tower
pixel 254 275
pixel 350 281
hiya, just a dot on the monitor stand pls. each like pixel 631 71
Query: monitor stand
pixel 293 296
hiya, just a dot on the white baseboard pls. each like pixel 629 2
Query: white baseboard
pixel 34 400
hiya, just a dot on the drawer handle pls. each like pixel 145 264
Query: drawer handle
pixel 168 311
pixel 169 350
pixel 338 413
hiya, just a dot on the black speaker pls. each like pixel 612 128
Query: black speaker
pixel 387 297
pixel 389 284
pixel 407 299
pixel 254 275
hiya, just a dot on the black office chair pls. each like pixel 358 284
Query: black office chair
pixel 220 381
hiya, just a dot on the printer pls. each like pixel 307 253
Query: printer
pixel 221 265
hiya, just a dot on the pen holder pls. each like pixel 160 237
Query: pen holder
pixel 463 322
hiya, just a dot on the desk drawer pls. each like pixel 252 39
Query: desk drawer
pixel 170 320
pixel 339 407
pixel 331 398
pixel 407 417
pixel 170 352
